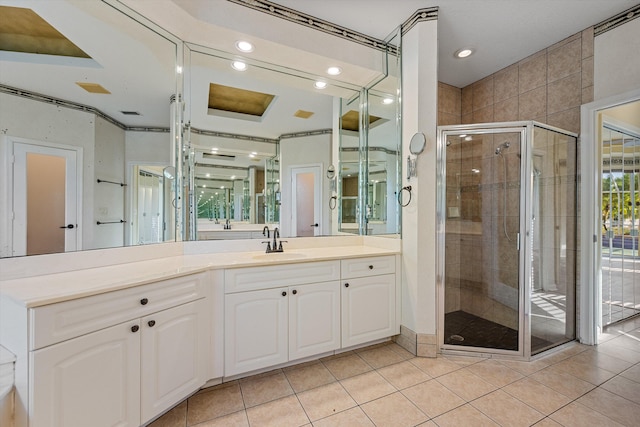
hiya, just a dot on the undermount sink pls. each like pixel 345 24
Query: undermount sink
pixel 279 256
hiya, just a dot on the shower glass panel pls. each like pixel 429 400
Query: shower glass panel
pixel 482 228
pixel 553 249
pixel 507 221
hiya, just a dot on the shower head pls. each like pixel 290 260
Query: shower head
pixel 501 147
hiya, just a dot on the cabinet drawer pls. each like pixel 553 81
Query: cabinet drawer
pixel 372 266
pixel 54 323
pixel 274 276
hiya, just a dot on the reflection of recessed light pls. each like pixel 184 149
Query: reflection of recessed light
pixel 214 149
pixel 387 101
pixel 204 186
pixel 474 170
pixel 463 53
pixel 208 175
pixel 320 85
pixel 238 65
pixel 334 71
pixel 233 177
pixel 222 188
pixel 179 69
pixel 244 46
pixel 254 153
pixel 468 138
pixel 463 135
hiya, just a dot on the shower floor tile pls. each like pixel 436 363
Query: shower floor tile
pixel 478 332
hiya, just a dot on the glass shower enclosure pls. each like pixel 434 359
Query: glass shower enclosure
pixel 507 238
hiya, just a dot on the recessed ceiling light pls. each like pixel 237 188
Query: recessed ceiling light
pixel 239 65
pixel 334 71
pixel 320 85
pixel 244 46
pixel 463 53
pixel 387 101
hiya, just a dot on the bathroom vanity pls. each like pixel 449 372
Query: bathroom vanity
pixel 124 343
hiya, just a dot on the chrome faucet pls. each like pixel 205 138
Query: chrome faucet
pixel 265 231
pixel 227 226
pixel 276 233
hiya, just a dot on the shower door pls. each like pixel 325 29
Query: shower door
pixel 480 203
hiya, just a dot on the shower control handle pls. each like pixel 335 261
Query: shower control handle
pixel 69 226
pixel 346 285
pixel 518 241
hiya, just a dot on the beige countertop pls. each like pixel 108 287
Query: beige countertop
pixel 53 288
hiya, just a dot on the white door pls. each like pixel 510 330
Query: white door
pixel 93 380
pixel 45 200
pixel 314 319
pixel 256 330
pixel 306 205
pixel 173 356
pixel 368 309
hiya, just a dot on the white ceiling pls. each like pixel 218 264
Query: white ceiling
pixel 502 31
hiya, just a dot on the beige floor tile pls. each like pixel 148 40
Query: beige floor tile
pixel 435 367
pixel 394 410
pixel 403 375
pixel 466 384
pixel 465 415
pixel 584 371
pixel 213 404
pixel 495 372
pixel 547 422
pixel 632 373
pixel 427 424
pixel 614 350
pixel 566 384
pixel 366 387
pixel 324 401
pixel 433 398
pixel 283 412
pixel 577 415
pixel 506 410
pixel 628 341
pixel 262 389
pixel 623 387
pixel 565 353
pixel 613 406
pixel 602 360
pixel 381 356
pixel 237 419
pixel 525 368
pixel 406 355
pixel 309 377
pixel 537 395
pixel 348 366
pixel 464 360
pixel 354 417
pixel 176 417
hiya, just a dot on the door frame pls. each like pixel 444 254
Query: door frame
pixel 590 308
pixel 7 161
pixel 317 169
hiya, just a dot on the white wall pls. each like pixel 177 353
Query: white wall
pixel 419 88
pixel 309 150
pixel 617 60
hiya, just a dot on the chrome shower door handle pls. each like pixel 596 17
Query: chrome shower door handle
pixel 518 241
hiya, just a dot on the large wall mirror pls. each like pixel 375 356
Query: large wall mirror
pixel 85 114
pixel 86 143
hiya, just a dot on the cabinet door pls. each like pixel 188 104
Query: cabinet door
pixel 173 356
pixel 314 319
pixel 256 329
pixel 92 380
pixel 368 309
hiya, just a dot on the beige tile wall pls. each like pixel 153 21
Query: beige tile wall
pixel 548 86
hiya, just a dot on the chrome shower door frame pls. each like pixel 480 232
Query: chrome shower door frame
pixel 525 129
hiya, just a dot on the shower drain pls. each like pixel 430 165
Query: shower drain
pixel 456 338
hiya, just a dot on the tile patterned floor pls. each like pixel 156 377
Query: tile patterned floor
pixel 385 385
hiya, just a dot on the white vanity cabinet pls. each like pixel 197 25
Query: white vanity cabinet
pixel 267 323
pixel 120 374
pixel 368 295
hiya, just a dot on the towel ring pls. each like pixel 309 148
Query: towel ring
pixel 408 190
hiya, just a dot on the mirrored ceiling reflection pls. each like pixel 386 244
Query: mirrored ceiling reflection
pixel 82 81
